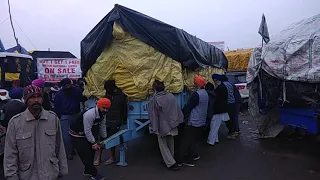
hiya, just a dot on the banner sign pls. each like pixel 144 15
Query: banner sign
pixel 55 69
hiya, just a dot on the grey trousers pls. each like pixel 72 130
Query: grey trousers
pixel 166 145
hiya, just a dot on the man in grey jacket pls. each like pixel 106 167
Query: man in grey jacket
pixel 34 147
pixel 84 134
pixel 165 115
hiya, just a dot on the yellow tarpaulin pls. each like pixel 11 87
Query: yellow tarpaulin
pixel 238 59
pixel 134 66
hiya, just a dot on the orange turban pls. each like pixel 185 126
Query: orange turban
pixel 103 102
pixel 200 81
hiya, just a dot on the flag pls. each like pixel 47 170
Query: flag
pixel 1 47
pixel 263 30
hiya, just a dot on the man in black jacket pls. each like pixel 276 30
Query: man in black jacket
pixel 14 106
pixel 220 112
pixel 116 116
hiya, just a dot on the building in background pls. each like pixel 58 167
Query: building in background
pixel 218 44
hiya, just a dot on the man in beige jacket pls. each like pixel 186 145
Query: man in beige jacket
pixel 34 147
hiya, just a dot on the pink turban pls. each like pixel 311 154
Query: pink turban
pixel 38 82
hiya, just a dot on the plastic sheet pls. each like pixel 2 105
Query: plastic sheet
pixel 294 54
pixel 175 43
pixel 135 65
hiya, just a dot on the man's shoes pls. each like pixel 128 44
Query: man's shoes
pixel 196 157
pixel 74 152
pixel 174 167
pixel 231 137
pixel 86 174
pixel 190 164
pixel 70 157
pixel 163 163
pixel 237 133
pixel 98 177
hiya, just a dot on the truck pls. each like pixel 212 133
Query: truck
pixel 134 50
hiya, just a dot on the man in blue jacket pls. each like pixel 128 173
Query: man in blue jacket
pixel 67 106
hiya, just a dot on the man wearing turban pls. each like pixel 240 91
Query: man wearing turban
pixel 195 113
pixel 85 132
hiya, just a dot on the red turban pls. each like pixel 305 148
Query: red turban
pixel 200 81
pixel 104 102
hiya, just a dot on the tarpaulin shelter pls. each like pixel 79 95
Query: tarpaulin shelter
pixel 18 49
pixel 15 66
pixel 238 59
pixel 135 48
pixel 285 72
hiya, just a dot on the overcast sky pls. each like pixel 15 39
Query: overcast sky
pixel 62 24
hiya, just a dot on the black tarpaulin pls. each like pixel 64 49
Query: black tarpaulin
pixel 189 50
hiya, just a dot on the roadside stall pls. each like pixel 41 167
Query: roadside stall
pixel 14 67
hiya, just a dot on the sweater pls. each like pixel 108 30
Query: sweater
pixel 68 104
pixel 117 113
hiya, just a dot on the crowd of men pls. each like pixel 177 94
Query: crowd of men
pixel 44 130
pixel 208 106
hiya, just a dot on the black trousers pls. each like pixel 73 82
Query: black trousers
pixel 231 123
pixel 188 143
pixel 85 153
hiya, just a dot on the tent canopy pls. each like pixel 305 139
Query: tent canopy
pixel 294 53
pixel 189 50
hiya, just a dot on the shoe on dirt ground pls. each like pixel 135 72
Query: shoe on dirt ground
pixel 98 177
pixel 86 174
pixel 237 133
pixel 162 162
pixel 174 167
pixel 231 137
pixel 196 157
pixel 190 164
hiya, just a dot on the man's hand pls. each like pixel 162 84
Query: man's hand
pixel 96 146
